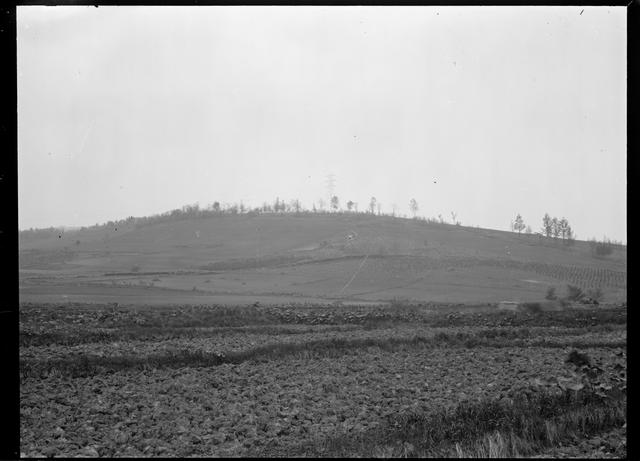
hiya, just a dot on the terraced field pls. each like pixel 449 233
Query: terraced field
pixel 321 381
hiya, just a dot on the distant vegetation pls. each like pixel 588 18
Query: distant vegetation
pixel 595 294
pixel 604 247
pixel 279 207
pixel 552 227
pixel 557 228
pixel 551 293
pixel 574 293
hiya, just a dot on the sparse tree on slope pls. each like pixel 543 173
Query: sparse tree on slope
pixel 570 236
pixel 413 206
pixel 335 203
pixel 555 227
pixel 372 205
pixel 519 224
pixel 547 225
pixel 563 225
pixel 350 205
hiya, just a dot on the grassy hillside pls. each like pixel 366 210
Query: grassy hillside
pixel 344 257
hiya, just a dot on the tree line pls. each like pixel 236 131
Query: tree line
pixel 555 228
pixel 551 227
pixel 195 211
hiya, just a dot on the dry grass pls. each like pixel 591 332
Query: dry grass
pixel 488 429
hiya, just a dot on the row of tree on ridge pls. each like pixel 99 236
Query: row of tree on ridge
pixel 552 227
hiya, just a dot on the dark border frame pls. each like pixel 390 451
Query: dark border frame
pixel 9 307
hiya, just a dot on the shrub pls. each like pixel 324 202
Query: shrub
pixel 135 268
pixel 551 293
pixel 574 293
pixel 532 307
pixel 596 294
pixel 603 248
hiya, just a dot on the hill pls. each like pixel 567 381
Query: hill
pixel 275 258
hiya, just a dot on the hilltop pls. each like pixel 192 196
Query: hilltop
pixel 274 258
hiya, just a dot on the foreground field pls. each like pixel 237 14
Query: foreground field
pixel 330 381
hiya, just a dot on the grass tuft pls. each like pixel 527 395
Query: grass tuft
pixel 490 428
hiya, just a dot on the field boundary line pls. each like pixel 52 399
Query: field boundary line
pixel 353 276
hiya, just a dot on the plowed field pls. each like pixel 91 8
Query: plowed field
pixel 215 381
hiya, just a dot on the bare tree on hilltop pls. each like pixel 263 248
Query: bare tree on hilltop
pixel 519 225
pixel 335 203
pixel 555 227
pixel 413 206
pixel 547 225
pixel 563 226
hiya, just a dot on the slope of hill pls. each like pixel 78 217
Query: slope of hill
pixel 324 257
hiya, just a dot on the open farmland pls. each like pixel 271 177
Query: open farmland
pixel 406 380
pixel 287 258
pixel 319 335
pixel 275 259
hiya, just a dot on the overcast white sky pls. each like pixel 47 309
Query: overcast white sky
pixel 137 110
